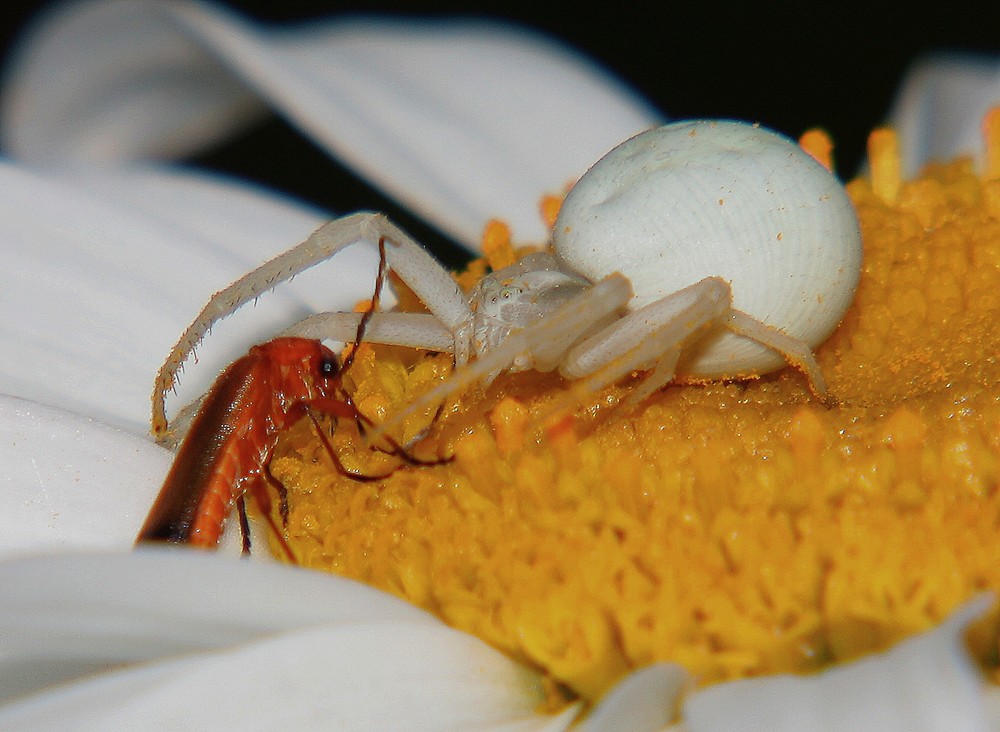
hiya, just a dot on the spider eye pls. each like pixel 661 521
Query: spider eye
pixel 328 367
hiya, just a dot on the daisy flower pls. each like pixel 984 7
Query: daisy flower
pixel 107 257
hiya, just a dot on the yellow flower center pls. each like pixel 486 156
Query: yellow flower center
pixel 736 528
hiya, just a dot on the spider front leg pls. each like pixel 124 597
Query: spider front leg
pixel 431 282
pixel 448 327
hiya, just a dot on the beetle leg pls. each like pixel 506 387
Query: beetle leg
pixel 241 512
pixel 260 495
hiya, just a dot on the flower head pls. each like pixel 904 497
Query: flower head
pixel 132 253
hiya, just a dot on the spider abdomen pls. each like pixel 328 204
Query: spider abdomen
pixel 726 199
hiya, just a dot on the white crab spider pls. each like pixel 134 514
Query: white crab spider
pixel 713 249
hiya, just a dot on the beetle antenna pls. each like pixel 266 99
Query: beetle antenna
pixel 373 306
pixel 334 457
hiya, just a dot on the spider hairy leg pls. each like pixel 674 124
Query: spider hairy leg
pixel 432 283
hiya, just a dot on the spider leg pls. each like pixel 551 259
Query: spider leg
pixel 431 282
pixel 795 351
pixel 415 330
pixel 663 373
pixel 554 335
pixel 654 336
pixel 545 342
pixel 648 338
pixel 180 424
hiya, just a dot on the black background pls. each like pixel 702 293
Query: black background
pixel 790 66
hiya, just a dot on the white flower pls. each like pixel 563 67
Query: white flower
pixel 105 262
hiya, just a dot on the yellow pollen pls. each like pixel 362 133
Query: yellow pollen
pixel 496 245
pixel 991 138
pixel 818 144
pixel 883 157
pixel 549 209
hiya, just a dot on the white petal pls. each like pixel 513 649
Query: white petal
pixel 940 106
pixel 104 269
pixel 926 683
pixel 369 676
pixel 644 700
pixel 115 80
pixel 992 694
pixel 70 482
pixel 240 645
pixel 460 120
